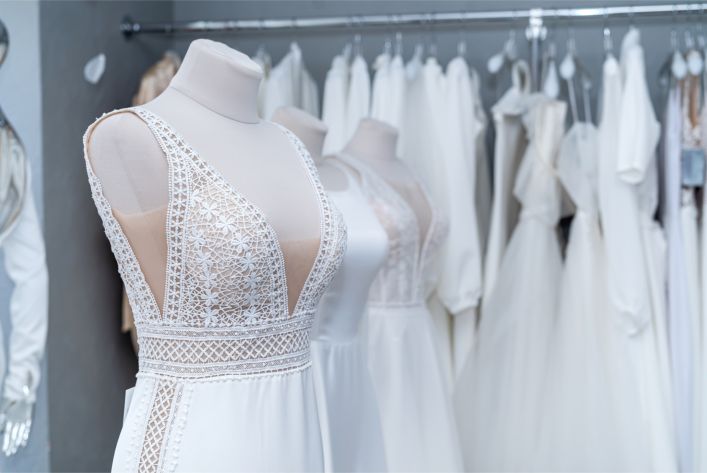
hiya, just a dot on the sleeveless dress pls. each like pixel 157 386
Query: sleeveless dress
pixel 348 411
pixel 225 381
pixel 415 407
pixel 500 397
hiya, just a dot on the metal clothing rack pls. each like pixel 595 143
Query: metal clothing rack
pixel 534 16
pixel 536 31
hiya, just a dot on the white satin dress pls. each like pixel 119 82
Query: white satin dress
pixel 418 424
pixel 348 411
pixel 225 380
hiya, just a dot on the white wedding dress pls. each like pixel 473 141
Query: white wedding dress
pixel 499 394
pixel 225 381
pixel 348 411
pixel 418 424
pixel 591 419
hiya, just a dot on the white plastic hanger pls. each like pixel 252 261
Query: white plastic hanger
pixel 505 57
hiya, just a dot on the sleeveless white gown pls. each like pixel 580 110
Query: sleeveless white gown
pixel 348 411
pixel 225 382
pixel 418 425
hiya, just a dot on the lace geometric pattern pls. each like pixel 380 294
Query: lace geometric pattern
pixel 400 280
pixel 226 305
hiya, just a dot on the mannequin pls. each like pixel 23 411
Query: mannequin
pixel 312 132
pixel 375 142
pixel 247 225
pixel 348 411
pixel 213 103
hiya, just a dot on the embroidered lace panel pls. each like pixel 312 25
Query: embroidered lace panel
pixel 226 308
pixel 400 280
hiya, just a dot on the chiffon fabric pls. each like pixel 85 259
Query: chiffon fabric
pixel 418 425
pixel 635 245
pixel 500 398
pixel 511 142
pixel 678 205
pixel 358 99
pixel 591 422
pixel 348 411
pixel 388 96
pixel 336 88
pixel 289 84
pixel 225 380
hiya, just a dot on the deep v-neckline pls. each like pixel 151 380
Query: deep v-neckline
pixel 421 238
pixel 218 177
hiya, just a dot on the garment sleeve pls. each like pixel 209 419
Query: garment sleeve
pixel 639 129
pixel 460 283
pixel 25 264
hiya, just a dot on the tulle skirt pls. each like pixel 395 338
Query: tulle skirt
pixel 418 426
pixel 498 397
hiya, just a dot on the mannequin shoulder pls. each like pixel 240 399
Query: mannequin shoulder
pixel 122 136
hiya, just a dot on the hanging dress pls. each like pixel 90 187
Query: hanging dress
pixel 500 397
pixel 225 382
pixel 510 145
pixel 418 424
pixel 680 220
pixel 336 87
pixel 635 245
pixel 358 100
pixel 348 410
pixel 388 96
pixel 289 84
pixel 591 422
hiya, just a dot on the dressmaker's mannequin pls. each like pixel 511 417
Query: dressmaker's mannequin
pixel 312 132
pixel 212 103
pixel 375 143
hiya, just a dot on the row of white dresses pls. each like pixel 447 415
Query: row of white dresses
pixel 571 367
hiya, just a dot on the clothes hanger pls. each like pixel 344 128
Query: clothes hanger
pixel 550 79
pixel 461 45
pixel 693 56
pixel 399 44
pixel 608 40
pixel 505 57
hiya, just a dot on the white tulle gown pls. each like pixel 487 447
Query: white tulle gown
pixel 499 404
pixel 348 412
pixel 418 424
pixel 591 419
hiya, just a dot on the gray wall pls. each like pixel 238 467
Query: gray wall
pixel 20 98
pixel 90 362
pixel 483 40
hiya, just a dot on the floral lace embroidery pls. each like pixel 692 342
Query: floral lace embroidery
pixel 226 311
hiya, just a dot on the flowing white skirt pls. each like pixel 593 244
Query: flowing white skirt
pixel 415 407
pixel 592 422
pixel 348 412
pixel 499 393
pixel 261 423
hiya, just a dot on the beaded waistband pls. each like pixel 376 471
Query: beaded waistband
pixel 234 351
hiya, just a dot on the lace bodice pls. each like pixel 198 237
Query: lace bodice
pixel 225 310
pixel 405 278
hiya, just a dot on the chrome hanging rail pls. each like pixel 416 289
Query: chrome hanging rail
pixel 535 17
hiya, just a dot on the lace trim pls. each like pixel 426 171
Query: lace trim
pixel 166 399
pixel 139 294
pixel 199 354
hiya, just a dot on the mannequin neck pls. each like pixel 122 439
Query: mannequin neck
pixel 373 141
pixel 221 79
pixel 310 130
